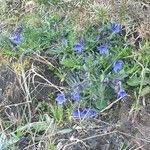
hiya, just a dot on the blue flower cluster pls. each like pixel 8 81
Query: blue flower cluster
pixel 117 66
pixel 76 112
pixel 75 96
pixel 103 48
pixel 78 47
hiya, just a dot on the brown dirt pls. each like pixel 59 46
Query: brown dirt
pixel 12 87
pixel 9 88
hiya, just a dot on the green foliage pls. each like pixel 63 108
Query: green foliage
pixel 6 143
pixel 136 81
pixel 57 113
pixel 72 62
pixel 40 32
pixel 145 91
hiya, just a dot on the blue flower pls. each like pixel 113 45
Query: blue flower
pixel 121 93
pixel 83 112
pixel 117 65
pixel 75 95
pixel 78 47
pixel 103 49
pixel 15 38
pixel 60 99
pixel 78 112
pixel 17 31
pixel 115 27
pixel 91 112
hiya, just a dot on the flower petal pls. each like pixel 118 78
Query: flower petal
pixel 75 95
pixel 60 99
pixel 15 40
pixel 103 49
pixel 78 112
pixel 121 93
pixel 117 65
pixel 78 47
pixel 15 37
pixel 115 27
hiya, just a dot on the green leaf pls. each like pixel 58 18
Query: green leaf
pixel 136 81
pixel 145 91
pixel 70 62
pixel 64 131
pixel 39 126
pixel 101 104
pixel 5 143
pixel 3 139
